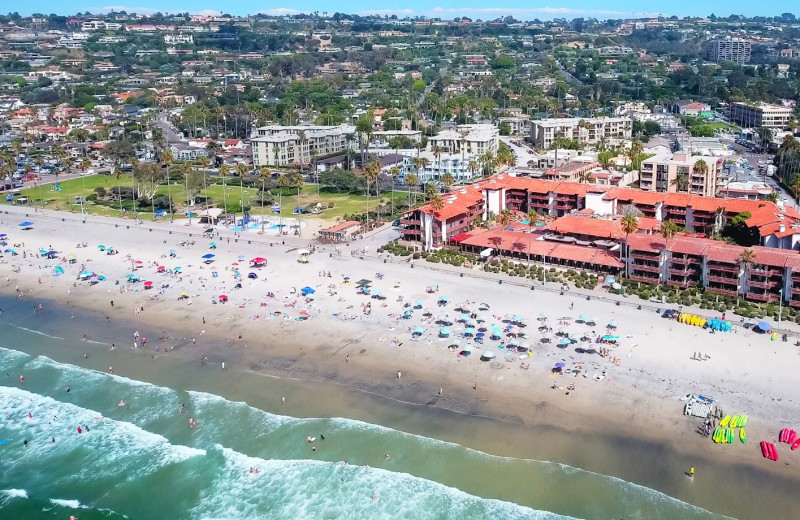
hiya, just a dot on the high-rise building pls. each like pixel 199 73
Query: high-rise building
pixel 731 49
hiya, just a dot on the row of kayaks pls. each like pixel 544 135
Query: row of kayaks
pixel 768 451
pixel 736 421
pixel 789 437
pixel 727 435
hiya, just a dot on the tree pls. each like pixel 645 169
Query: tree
pixel 668 230
pixel 364 128
pixel 437 203
pixel 747 257
pixel 371 172
pixel 604 158
pixel 146 179
pixel 505 218
pixel 293 180
pixel 447 181
pixel 629 224
pixel 411 181
pixel 394 172
pixel 119 152
pixel 700 167
pixel 681 182
pixel 472 166
pixel 764 134
pixel 795 185
pixel 634 152
pixel 242 169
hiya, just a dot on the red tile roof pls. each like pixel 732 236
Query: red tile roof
pixel 342 226
pixel 593 227
pixel 647 243
pixel 724 253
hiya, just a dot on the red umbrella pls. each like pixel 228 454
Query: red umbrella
pixel 258 260
pixel 148 284
pixel 304 314
pixel 223 297
pixel 161 268
pixel 139 262
pixel 235 263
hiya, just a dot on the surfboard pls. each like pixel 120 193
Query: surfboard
pixel 3 441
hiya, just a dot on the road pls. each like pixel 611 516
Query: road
pixel 170 133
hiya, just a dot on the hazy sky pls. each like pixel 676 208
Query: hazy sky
pixel 446 9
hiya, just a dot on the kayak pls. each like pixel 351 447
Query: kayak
pixel 796 444
pixel 742 435
pixel 725 420
pixel 730 436
pixel 782 435
pixel 792 437
pixel 734 422
pixel 744 421
pixel 764 450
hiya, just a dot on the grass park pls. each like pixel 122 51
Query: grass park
pixel 66 196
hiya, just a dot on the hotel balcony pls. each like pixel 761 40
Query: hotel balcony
pixel 725 268
pixel 645 279
pixel 794 303
pixel 677 220
pixel 565 198
pixel 761 297
pixel 410 221
pixel 653 257
pixel 683 284
pixel 762 284
pixel 723 279
pixel 676 211
pixel 766 272
pixel 646 268
pixel 682 272
pixel 795 290
pixel 566 206
pixel 721 291
pixel 685 260
pixel 539 204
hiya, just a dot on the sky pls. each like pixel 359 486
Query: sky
pixel 446 9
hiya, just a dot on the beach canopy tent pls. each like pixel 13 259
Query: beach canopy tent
pixel 444 332
pixel 258 260
pixel 764 326
pixel 443 299
pixel 86 274
pixel 419 330
pixel 208 256
pixel 252 276
pixel 486 253
pixel 307 290
pixel 26 225
pixel 564 341
pixel 487 355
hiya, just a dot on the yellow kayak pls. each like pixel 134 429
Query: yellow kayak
pixel 725 420
pixel 742 435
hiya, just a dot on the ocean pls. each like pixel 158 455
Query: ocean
pixel 142 460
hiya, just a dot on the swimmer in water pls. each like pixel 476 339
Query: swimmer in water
pixel 121 403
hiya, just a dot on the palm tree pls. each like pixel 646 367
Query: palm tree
pixel 242 169
pixel 166 159
pixel 795 186
pixel 436 150
pixel 719 220
pixel 504 219
pixel 411 180
pixel 437 203
pixel 668 230
pixel 473 166
pixel 447 181
pixel 371 172
pixel 680 182
pixel 634 152
pixel 764 134
pixel 394 171
pixel 533 219
pixel 700 167
pixel 747 257
pixel 629 224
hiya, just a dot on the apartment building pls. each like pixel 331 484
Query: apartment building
pixel 172 39
pixel 681 171
pixel 474 140
pixel 284 145
pixel 760 114
pixel 587 131
pixel 731 49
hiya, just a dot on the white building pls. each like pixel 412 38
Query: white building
pixel 587 131
pixel 468 139
pixel 453 163
pixel 283 145
pixel 178 38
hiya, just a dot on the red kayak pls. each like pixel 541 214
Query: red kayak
pixel 796 444
pixel 782 436
pixel 764 450
pixel 792 437
pixel 773 452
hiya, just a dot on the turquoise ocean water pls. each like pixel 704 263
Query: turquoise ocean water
pixel 142 460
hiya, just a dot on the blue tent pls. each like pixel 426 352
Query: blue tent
pixel 307 290
pixel 764 326
pixel 84 274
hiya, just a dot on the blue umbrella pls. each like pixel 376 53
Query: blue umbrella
pixel 177 268
pixel 208 255
pixel 764 326
pixel 560 365
pixel 59 269
pixel 375 292
pixel 3 235
pixel 86 273
pixel 26 224
pixel 419 330
pixel 160 211
pixel 418 302
pixel 564 341
pixel 444 331
pixel 444 299
pixel 469 331
pixel 307 290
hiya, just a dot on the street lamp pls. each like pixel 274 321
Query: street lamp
pixel 780 307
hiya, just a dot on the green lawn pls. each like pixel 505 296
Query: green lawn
pixel 64 199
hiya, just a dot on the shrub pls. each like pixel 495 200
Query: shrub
pixel 416 256
pixel 644 294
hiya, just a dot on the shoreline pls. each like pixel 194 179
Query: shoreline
pixel 636 403
pixel 535 440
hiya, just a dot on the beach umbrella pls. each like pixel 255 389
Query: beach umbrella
pixel 138 262
pixel 25 224
pixel 176 269
pixel 764 326
pixel 471 323
pixel 419 330
pixel 59 269
pixel 375 292
pixel 564 341
pixel 148 284
pixel 583 317
pixel 469 331
pixel 172 251
pixel 258 260
pixel 101 277
pixel 307 290
pixel 252 276
pixel 444 299
pixel 563 331
pixel 304 314
pixel 212 244
pixel 487 355
pixel 161 268
pixel 303 252
pixel 444 331
pixel 463 317
pixel 560 365
pixel 208 256
pixel 240 258
pixel 3 235
pixel 43 251
pixel 101 247
pixel 223 296
pixel 86 274
pixel 612 324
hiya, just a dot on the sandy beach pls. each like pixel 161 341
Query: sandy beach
pixel 363 344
